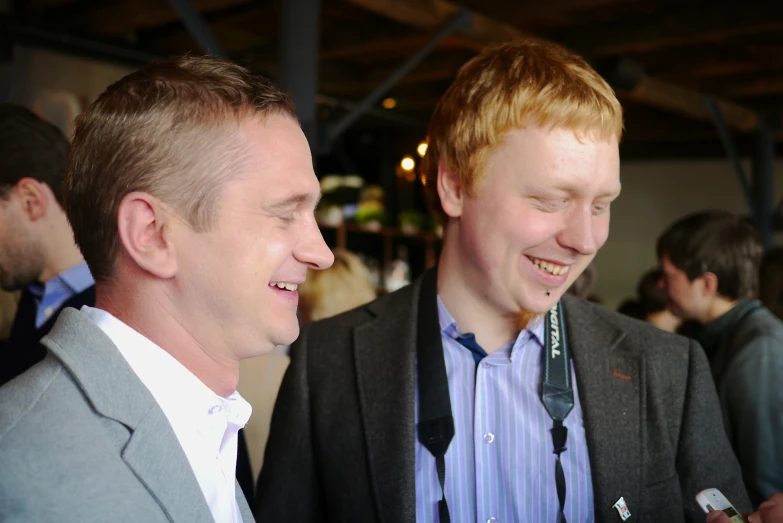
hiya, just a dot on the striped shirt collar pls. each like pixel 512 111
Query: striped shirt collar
pixel 449 327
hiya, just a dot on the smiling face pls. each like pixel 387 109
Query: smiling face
pixel 236 283
pixel 535 219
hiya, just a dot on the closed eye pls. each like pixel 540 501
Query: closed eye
pixel 550 204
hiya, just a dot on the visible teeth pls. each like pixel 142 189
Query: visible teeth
pixel 551 268
pixel 285 285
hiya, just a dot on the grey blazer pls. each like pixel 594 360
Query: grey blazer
pixel 341 445
pixel 83 440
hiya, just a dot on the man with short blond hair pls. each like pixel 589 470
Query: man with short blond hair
pixel 481 392
pixel 191 193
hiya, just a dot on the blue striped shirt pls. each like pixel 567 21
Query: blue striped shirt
pixel 500 467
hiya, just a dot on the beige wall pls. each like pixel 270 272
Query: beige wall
pixel 58 86
pixel 654 195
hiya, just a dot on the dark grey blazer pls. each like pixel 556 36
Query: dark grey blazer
pixel 82 440
pixel 341 446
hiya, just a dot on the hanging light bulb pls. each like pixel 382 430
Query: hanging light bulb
pixel 407 163
pixel 422 149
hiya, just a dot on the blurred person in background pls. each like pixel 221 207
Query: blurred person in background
pixel 771 280
pixel 343 286
pixel 37 253
pixel 9 301
pixel 710 261
pixel 653 299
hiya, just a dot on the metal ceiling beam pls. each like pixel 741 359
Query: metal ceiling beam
pixel 300 42
pixel 731 150
pixel 198 27
pixel 458 21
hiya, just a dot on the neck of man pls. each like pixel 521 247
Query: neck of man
pixel 718 308
pixel 143 308
pixel 471 308
pixel 664 320
pixel 61 251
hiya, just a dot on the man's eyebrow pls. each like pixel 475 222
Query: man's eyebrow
pixel 297 199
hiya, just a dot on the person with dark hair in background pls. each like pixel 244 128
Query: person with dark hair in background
pixel 653 300
pixel 37 253
pixel 771 280
pixel 710 262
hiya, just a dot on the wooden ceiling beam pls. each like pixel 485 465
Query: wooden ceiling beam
pixel 120 18
pixel 429 14
pixel 403 47
pixel 686 26
pixel 761 86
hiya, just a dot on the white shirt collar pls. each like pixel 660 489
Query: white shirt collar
pixel 204 423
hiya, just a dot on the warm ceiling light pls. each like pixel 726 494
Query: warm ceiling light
pixel 389 103
pixel 407 164
pixel 422 149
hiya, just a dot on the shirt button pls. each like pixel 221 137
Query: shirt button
pixel 215 410
pixel 485 365
pixel 493 519
pixel 48 311
pixel 489 437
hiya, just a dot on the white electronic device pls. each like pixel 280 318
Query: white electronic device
pixel 712 499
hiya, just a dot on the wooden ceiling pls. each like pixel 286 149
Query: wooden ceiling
pixel 680 51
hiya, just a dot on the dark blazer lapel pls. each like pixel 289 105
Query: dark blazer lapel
pixel 110 385
pixel 610 380
pixel 384 349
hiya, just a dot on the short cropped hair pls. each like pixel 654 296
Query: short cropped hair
pixel 169 129
pixel 719 242
pixel 514 85
pixel 30 148
pixel 343 286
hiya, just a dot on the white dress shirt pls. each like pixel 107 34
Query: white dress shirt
pixel 205 424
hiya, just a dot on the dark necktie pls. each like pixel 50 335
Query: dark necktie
pixel 469 342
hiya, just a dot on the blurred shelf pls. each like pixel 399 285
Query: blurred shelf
pixel 388 235
pixel 394 232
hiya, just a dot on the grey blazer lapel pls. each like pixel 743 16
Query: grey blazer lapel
pixel 610 378
pixel 384 350
pixel 244 508
pixel 157 459
pixel 110 385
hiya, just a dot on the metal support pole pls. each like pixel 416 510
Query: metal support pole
pixel 764 178
pixel 299 47
pixel 731 151
pixel 197 27
pixel 460 20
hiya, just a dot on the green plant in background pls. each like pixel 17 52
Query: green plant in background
pixel 371 211
pixel 412 221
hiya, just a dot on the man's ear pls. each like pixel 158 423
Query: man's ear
pixel 710 286
pixel 34 197
pixel 450 191
pixel 143 223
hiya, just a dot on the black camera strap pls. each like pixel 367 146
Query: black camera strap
pixel 436 424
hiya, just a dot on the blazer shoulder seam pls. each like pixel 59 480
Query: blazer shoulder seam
pixel 32 404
